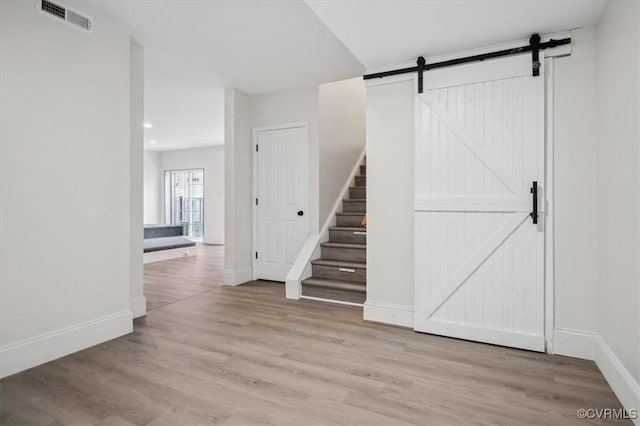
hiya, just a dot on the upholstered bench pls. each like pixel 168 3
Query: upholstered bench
pixel 164 242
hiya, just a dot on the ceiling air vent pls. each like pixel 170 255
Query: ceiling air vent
pixel 79 20
pixel 53 9
pixel 66 14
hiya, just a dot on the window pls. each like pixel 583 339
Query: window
pixel 184 201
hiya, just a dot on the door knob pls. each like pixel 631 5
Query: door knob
pixel 300 213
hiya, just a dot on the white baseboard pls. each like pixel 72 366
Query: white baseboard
pixel 237 276
pixel 28 353
pixel 621 381
pixel 388 313
pixel 159 256
pixel 574 343
pixel 217 241
pixel 138 306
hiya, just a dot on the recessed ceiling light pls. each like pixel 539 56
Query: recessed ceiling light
pixel 147 125
pixel 153 141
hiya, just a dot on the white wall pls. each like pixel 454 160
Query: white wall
pixel 335 114
pixel 618 154
pixel 292 107
pixel 138 302
pixel 153 189
pixel 390 152
pixel 342 115
pixel 576 214
pixel 242 114
pixel 237 160
pixel 211 159
pixel 64 185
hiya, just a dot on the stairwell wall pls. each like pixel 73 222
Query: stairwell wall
pixel 335 113
pixel 342 117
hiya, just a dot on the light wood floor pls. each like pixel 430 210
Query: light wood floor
pixel 177 279
pixel 246 356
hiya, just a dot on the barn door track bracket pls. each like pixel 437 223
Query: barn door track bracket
pixel 421 62
pixel 534 42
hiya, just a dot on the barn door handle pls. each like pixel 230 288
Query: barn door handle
pixel 534 199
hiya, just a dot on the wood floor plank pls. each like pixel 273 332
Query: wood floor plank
pixel 206 354
pixel 178 279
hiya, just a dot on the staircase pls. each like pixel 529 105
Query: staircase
pixel 341 272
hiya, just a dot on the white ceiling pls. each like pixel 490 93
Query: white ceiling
pixel 193 49
pixel 184 101
pixel 379 33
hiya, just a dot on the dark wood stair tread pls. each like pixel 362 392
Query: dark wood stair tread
pixel 344 245
pixel 340 274
pixel 339 263
pixel 335 284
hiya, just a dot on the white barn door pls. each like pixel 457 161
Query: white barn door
pixel 479 258
pixel 281 182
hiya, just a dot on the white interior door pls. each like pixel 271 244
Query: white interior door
pixel 281 200
pixel 479 266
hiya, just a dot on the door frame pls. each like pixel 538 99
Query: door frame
pixel 254 192
pixel 547 193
